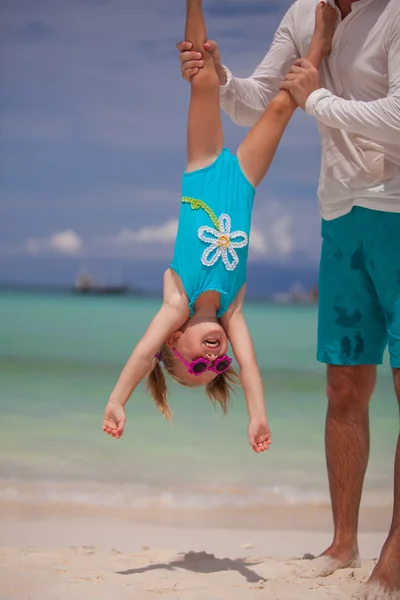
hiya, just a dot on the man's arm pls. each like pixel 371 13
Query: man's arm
pixel 378 120
pixel 244 100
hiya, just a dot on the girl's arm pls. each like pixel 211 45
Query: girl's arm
pixel 238 334
pixel 173 313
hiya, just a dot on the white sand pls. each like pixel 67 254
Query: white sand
pixel 59 558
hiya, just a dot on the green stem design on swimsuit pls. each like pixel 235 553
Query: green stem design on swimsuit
pixel 222 241
pixel 196 204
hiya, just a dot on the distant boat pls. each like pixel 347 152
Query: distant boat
pixel 297 295
pixel 86 284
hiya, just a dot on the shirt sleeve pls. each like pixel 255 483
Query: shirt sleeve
pixel 379 119
pixel 244 100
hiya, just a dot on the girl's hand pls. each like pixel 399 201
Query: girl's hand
pixel 259 435
pixel 114 420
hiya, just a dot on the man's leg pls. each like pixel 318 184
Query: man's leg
pixel 351 340
pixel 382 245
pixel 349 391
pixel 387 570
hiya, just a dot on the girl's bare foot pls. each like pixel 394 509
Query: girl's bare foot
pixel 325 24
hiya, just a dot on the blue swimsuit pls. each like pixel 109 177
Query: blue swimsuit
pixel 212 242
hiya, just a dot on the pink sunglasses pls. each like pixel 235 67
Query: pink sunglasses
pixel 200 365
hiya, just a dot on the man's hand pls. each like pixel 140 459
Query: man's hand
pixel 114 420
pixel 301 81
pixel 259 435
pixel 191 61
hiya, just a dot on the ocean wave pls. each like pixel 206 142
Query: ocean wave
pixel 91 494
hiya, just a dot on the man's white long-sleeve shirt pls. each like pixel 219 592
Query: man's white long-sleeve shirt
pixel 357 109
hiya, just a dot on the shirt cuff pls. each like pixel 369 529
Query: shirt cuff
pixel 314 98
pixel 229 77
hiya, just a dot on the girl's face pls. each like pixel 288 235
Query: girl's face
pixel 199 338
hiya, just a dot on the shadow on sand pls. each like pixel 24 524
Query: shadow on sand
pixel 201 562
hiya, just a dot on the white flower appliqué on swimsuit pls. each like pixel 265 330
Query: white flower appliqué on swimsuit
pixel 222 243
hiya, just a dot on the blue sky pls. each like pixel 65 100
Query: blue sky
pixel 92 133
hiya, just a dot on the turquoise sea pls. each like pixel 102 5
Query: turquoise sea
pixel 60 356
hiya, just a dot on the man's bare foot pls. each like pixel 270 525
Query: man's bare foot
pixel 374 591
pixel 330 561
pixel 386 573
pixel 325 24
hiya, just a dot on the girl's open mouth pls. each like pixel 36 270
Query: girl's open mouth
pixel 212 344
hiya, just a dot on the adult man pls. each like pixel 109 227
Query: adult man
pixel 358 114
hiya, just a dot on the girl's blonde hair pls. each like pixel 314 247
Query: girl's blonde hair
pixel 218 390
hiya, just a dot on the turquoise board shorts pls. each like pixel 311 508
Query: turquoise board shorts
pixel 359 289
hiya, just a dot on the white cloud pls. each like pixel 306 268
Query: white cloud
pixel 65 242
pixel 284 230
pixel 258 244
pixel 274 240
pixel 273 236
pixel 165 233
pixel 281 232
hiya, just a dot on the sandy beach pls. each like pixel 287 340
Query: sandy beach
pixel 53 553
pixel 182 512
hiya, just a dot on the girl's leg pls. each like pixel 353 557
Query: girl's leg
pixel 258 149
pixel 205 138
